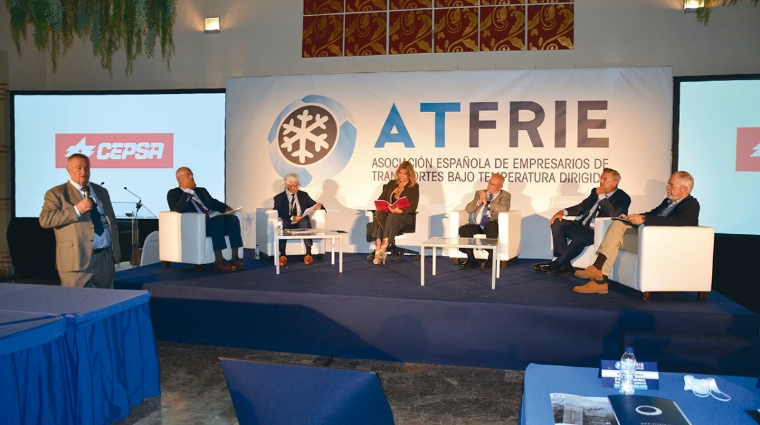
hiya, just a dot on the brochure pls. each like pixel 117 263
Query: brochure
pixel 580 410
pixel 755 414
pixel 641 409
pixel 309 211
pixel 212 214
pixel 401 203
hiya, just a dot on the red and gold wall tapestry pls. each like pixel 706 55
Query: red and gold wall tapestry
pixel 397 27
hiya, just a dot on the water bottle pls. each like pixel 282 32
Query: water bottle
pixel 627 371
pixel 279 226
pixel 257 253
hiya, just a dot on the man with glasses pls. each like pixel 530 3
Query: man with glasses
pixel 190 198
pixel 484 212
pixel 678 209
pixel 294 208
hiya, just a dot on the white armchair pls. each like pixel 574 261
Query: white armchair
pixel 266 223
pixel 510 225
pixel 182 239
pixel 670 259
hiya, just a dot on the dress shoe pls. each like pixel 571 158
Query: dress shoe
pixel 567 269
pixel 539 267
pixel 223 266
pixel 469 264
pixel 487 264
pixel 238 264
pixel 590 272
pixel 283 261
pixel 592 287
pixel 308 260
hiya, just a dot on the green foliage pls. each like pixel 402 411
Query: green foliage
pixel 703 13
pixel 109 25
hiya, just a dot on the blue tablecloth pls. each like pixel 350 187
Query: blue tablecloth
pixel 541 380
pixel 74 355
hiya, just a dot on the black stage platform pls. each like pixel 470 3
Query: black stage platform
pixel 382 312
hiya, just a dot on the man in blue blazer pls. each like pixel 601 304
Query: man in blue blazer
pixel 604 201
pixel 290 206
pixel 679 208
pixel 190 198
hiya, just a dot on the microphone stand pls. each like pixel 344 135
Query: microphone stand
pixel 134 258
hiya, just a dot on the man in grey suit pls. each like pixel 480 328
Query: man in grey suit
pixel 484 210
pixel 86 234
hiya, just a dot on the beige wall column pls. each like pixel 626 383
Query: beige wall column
pixel 6 267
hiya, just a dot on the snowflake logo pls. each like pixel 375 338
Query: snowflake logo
pixel 80 147
pixel 307 135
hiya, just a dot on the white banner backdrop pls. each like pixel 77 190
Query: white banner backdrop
pixel 550 132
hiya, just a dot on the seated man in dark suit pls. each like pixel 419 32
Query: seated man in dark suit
pixel 678 209
pixel 190 198
pixel 604 201
pixel 290 206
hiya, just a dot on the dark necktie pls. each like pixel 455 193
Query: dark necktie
pixel 200 207
pixel 94 213
pixel 486 217
pixel 293 205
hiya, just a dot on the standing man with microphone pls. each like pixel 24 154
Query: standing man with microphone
pixel 86 234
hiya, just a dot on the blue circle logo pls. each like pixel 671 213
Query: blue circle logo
pixel 313 137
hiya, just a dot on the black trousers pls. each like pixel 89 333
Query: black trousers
pixel 491 230
pixel 580 237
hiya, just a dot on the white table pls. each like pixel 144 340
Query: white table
pixel 474 243
pixel 311 234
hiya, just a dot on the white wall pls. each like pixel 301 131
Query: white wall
pixel 263 37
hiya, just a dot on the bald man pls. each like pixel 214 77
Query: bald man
pixel 188 197
pixel 484 212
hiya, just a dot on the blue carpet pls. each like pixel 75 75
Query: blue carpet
pixel 382 312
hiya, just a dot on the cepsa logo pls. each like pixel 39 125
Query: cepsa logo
pixel 117 150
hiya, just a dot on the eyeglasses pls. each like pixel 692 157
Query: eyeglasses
pixel 673 186
pixel 294 185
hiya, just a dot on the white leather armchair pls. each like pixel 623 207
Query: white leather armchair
pixel 182 238
pixel 266 223
pixel 510 233
pixel 670 259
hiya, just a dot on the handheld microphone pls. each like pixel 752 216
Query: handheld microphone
pixel 86 191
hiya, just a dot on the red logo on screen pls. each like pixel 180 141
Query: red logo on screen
pixel 748 149
pixel 117 150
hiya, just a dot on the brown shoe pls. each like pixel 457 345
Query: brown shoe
pixel 308 260
pixel 238 264
pixel 592 287
pixel 223 266
pixel 283 261
pixel 590 272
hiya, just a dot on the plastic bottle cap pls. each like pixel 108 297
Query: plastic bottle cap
pixel 628 349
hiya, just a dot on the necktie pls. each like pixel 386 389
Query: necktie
pixel 668 209
pixel 591 215
pixel 200 207
pixel 94 213
pixel 293 205
pixel 486 216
